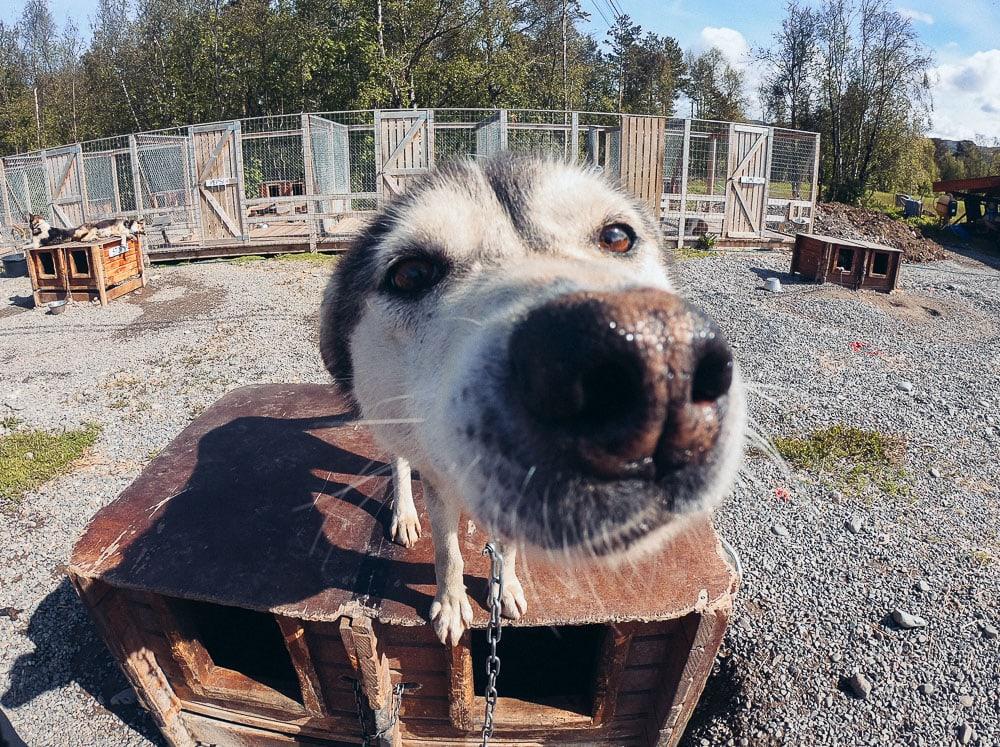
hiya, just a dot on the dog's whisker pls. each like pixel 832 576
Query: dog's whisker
pixel 390 421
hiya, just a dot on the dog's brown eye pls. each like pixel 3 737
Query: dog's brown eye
pixel 411 276
pixel 616 238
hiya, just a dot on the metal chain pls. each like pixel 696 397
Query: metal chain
pixel 365 713
pixel 493 601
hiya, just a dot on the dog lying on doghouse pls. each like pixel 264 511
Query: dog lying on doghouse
pixel 45 234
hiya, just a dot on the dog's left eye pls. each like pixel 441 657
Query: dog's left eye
pixel 411 276
pixel 616 238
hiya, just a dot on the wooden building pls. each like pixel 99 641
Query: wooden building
pixel 848 262
pixel 246 584
pixel 79 271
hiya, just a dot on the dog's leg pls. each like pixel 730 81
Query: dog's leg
pixel 451 612
pixel 512 603
pixel 405 528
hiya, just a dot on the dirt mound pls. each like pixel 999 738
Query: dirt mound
pixel 846 221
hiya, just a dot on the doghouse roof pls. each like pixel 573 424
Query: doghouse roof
pixel 274 499
pixel 854 243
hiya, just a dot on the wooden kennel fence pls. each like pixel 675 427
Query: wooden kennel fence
pixel 246 584
pixel 84 271
pixel 310 181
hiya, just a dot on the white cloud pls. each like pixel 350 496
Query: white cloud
pixel 967 96
pixel 916 15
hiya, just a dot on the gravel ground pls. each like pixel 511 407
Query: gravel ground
pixel 817 600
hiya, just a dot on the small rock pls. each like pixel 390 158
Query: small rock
pixel 966 701
pixel 904 386
pixel 836 656
pixel 965 734
pixel 935 473
pixel 859 685
pixel 926 689
pixel 779 530
pixel 989 631
pixel 923 586
pixel 10 612
pixel 907 621
pixel 29 455
pixel 854 524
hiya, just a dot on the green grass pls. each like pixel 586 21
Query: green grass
pixel 32 457
pixel 856 460
pixel 317 258
pixel 246 259
pixel 688 252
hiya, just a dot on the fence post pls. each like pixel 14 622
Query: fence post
pixel 767 184
pixel 575 138
pixel 81 175
pixel 241 196
pixel 307 160
pixel 133 153
pixel 379 191
pixel 43 154
pixel 194 188
pixel 685 163
pixel 815 184
pixel 503 129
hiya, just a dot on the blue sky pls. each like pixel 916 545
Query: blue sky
pixel 964 38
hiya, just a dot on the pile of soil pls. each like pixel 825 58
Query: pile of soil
pixel 849 222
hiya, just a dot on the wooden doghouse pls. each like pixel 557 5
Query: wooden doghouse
pixel 104 269
pixel 245 582
pixel 848 262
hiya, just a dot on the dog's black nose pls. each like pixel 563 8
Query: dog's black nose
pixel 626 383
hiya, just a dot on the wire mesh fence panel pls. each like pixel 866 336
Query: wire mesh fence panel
pixel 361 157
pixel 673 179
pixel 599 142
pixel 540 133
pixel 99 178
pixel 26 188
pixel 708 171
pixel 792 186
pixel 165 180
pixel 274 179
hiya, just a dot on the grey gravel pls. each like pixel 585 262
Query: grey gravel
pixel 907 621
pixel 923 586
pixel 965 734
pixel 935 473
pixel 904 386
pixel 779 530
pixel 927 689
pixel 144 367
pixel 989 631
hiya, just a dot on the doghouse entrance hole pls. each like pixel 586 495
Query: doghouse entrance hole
pixel 880 264
pixel 81 262
pixel 247 642
pixel 274 190
pixel 48 263
pixel 845 259
pixel 551 666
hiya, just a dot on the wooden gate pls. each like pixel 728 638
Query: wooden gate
pixel 746 186
pixel 64 171
pixel 643 140
pixel 218 167
pixel 404 147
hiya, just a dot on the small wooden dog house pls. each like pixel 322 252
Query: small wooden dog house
pixel 848 262
pixel 83 271
pixel 246 583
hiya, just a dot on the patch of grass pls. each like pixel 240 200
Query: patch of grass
pixel 982 558
pixel 687 252
pixel 856 459
pixel 246 259
pixel 317 258
pixel 10 422
pixel 30 458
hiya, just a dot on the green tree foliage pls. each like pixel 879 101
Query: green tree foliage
pixel 715 87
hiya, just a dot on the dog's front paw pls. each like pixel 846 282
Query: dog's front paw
pixel 451 614
pixel 513 603
pixel 405 529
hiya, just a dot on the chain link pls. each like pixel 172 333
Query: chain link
pixel 493 631
pixel 368 733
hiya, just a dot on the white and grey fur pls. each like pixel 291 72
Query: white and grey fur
pixel 123 228
pixel 510 234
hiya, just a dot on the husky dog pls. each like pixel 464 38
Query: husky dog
pixel 110 228
pixel 44 234
pixel 512 328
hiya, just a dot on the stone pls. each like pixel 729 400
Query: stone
pixel 923 586
pixel 926 689
pixel 965 734
pixel 854 524
pixel 779 530
pixel 935 473
pixel 989 631
pixel 907 621
pixel 859 685
pixel 966 701
pixel 904 386
pixel 125 697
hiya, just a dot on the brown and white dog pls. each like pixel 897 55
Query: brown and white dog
pixel 110 228
pixel 512 330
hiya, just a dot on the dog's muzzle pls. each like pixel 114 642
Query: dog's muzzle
pixel 622 385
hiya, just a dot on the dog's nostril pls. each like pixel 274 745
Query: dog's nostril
pixel 713 371
pixel 610 390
